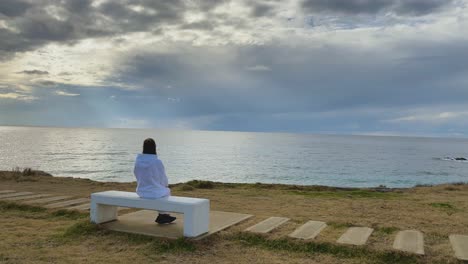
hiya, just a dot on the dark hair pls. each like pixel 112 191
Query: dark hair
pixel 149 146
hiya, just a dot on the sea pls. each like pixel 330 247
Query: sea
pixel 238 157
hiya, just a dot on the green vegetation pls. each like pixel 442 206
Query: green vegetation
pixel 446 207
pixel 387 230
pixel 339 225
pixel 362 253
pixel 80 229
pixel 201 184
pixel 187 187
pixel 171 246
pixel 442 205
pixel 29 172
pixel 69 214
pixel 4 205
pixel 36 212
pixel 23 175
pixel 86 229
pixel 348 194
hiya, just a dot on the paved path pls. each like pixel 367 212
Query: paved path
pixel 26 197
pixel 460 246
pixel 67 203
pixel 410 241
pixel 47 200
pixel 81 207
pixel 267 225
pixel 356 236
pixel 14 194
pixel 309 230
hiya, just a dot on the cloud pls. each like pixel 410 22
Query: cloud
pixel 13 8
pixel 242 65
pixel 17 96
pixel 34 72
pixel 46 83
pixel 373 7
pixel 440 117
pixel 259 68
pixel 33 24
pixel 62 93
pixel 260 9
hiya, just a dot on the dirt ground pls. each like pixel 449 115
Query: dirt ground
pixel 29 235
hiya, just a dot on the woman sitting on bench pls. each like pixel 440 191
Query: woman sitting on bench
pixel 151 178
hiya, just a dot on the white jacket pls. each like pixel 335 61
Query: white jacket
pixel 151 177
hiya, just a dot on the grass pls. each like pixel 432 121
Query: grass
pixel 187 187
pixel 446 207
pixel 348 194
pixel 85 229
pixel 201 184
pixel 339 225
pixel 312 247
pixel 171 246
pixel 443 206
pixel 79 229
pixel 30 233
pixel 387 230
pixel 4 205
pixel 36 212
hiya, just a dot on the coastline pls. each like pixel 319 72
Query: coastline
pixel 437 211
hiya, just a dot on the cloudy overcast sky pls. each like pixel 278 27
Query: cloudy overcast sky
pixel 383 67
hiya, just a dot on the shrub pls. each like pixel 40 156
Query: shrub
pixel 187 187
pixel 201 184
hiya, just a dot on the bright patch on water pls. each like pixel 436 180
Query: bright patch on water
pixel 345 161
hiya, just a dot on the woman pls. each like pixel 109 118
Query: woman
pixel 151 178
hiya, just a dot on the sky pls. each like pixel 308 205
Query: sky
pixel 372 67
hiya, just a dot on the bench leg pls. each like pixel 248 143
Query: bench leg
pixel 101 213
pixel 197 221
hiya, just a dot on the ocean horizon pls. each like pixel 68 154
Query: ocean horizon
pixel 107 154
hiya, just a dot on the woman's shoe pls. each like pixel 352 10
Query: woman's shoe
pixel 165 219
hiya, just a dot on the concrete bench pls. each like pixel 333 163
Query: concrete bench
pixel 196 211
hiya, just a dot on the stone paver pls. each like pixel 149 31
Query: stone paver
pixel 26 197
pixel 267 225
pixel 309 230
pixel 14 194
pixel 356 236
pixel 142 222
pixel 460 246
pixel 67 203
pixel 6 191
pixel 410 241
pixel 47 200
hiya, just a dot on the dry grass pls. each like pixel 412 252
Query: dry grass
pixel 31 234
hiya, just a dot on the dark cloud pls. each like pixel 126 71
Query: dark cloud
pixel 34 72
pixel 155 14
pixel 80 6
pixel 44 27
pixel 12 8
pixel 261 9
pixel 301 83
pixel 401 7
pixel 46 83
pixel 420 7
pixel 31 24
pixel 301 78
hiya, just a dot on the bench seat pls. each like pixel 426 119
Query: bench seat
pixel 196 210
